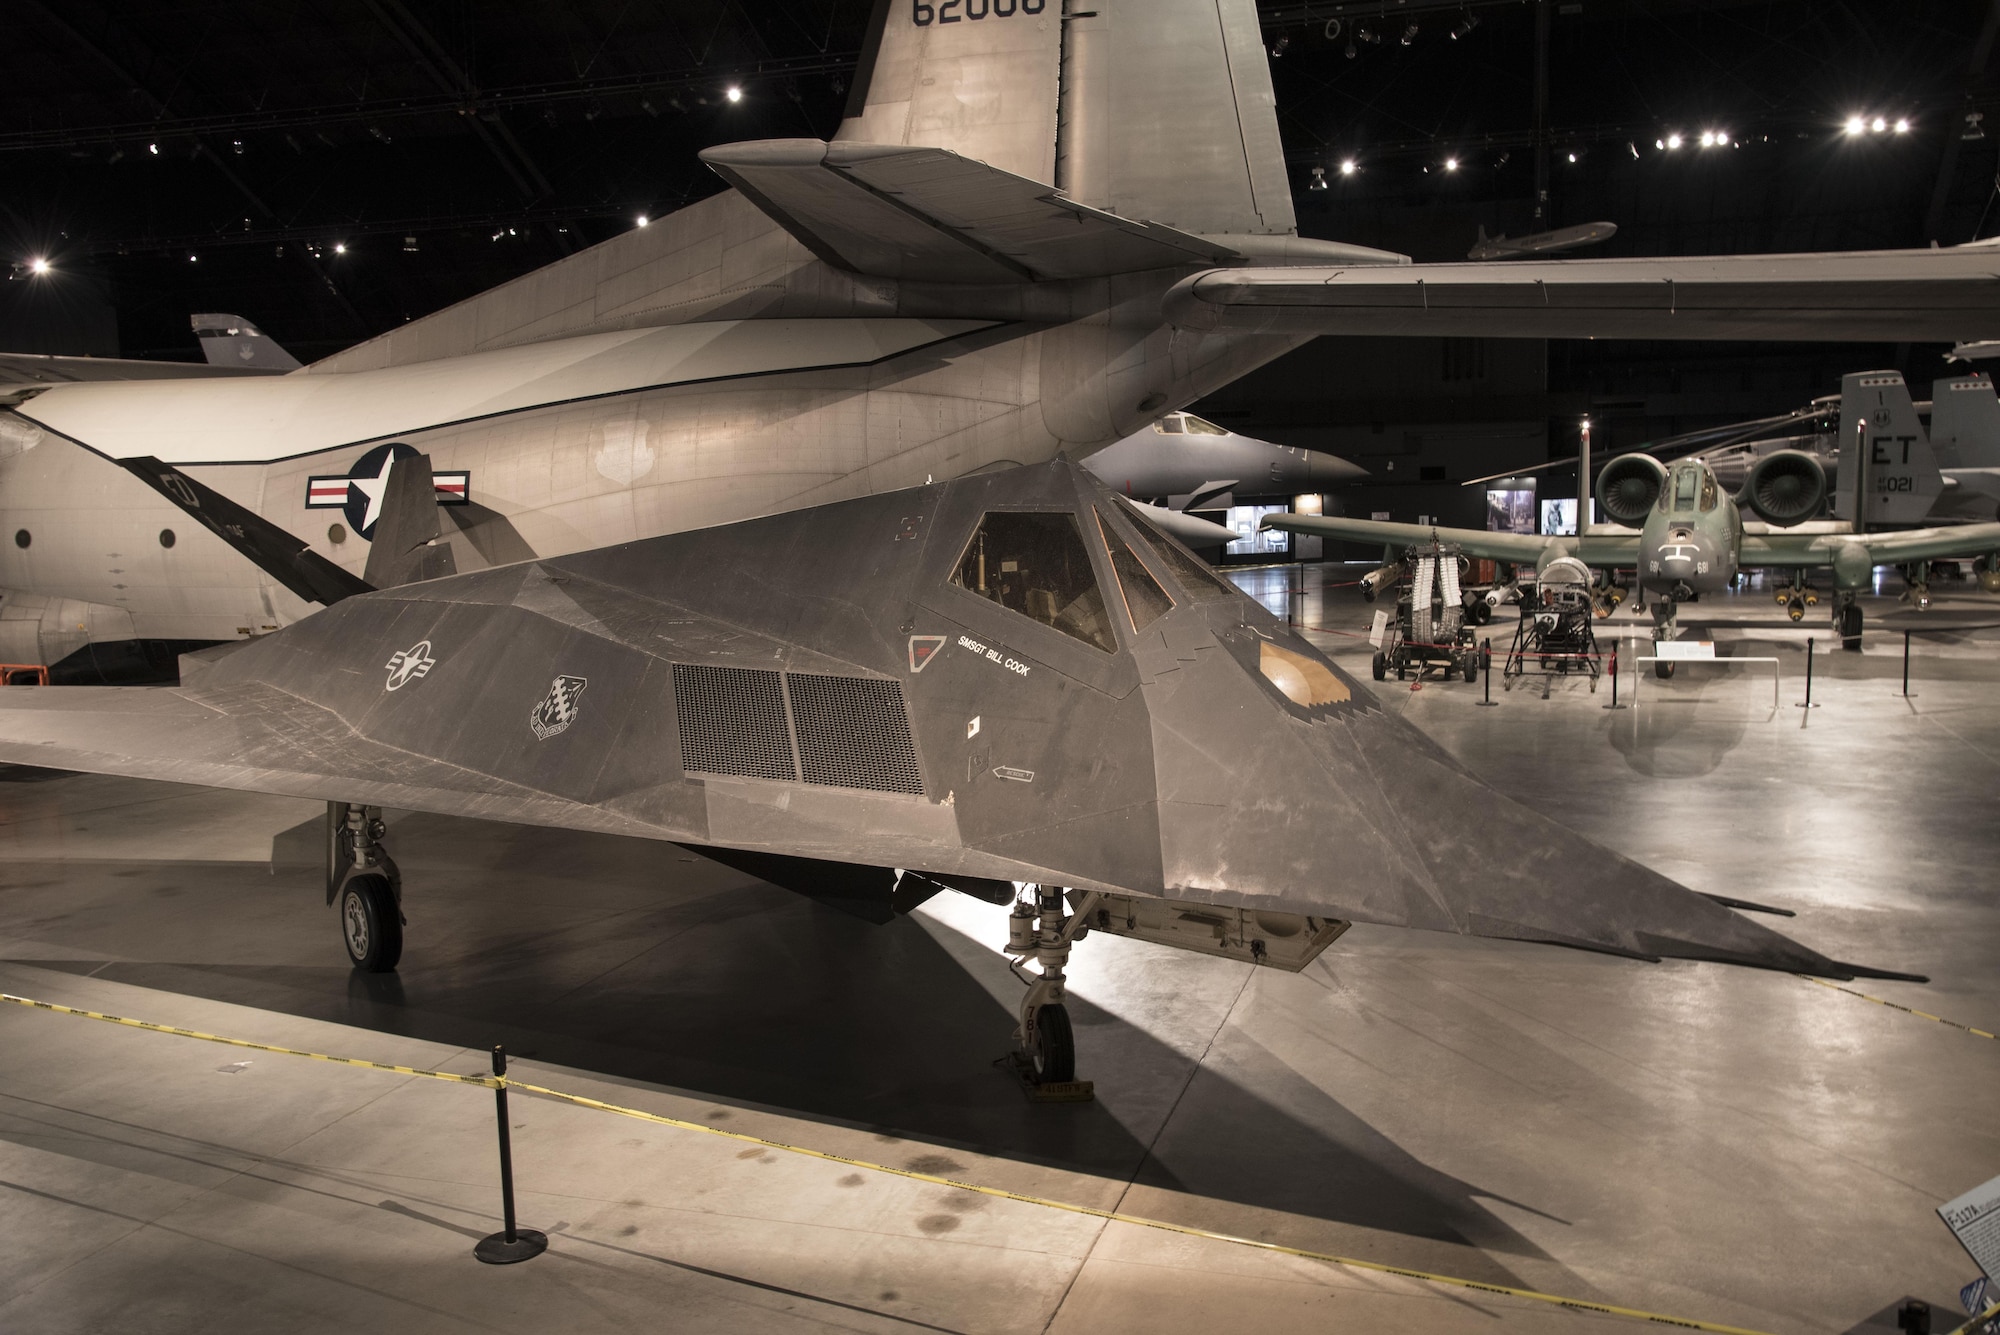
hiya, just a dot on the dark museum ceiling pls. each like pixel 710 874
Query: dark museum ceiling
pixel 331 168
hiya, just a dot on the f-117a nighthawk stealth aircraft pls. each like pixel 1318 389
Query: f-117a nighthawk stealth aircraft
pixel 1010 685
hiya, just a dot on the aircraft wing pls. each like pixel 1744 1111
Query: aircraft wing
pixel 1908 295
pixel 1888 548
pixel 926 213
pixel 1521 548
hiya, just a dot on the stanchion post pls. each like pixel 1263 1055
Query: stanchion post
pixel 1807 703
pixel 1486 652
pixel 1906 665
pixel 1614 678
pixel 511 1244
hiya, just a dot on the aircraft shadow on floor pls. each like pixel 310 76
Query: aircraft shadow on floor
pixel 749 994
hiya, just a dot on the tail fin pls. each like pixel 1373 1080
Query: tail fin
pixel 231 340
pixel 1160 110
pixel 1965 423
pixel 1884 453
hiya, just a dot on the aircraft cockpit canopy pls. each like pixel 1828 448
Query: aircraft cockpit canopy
pixel 1692 485
pixel 1178 424
pixel 1035 563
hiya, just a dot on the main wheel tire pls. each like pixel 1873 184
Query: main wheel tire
pixel 1055 1046
pixel 1472 667
pixel 1850 628
pixel 1664 671
pixel 1381 666
pixel 371 925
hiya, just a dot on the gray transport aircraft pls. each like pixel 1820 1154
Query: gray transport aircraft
pixel 932 293
pixel 1504 247
pixel 1008 685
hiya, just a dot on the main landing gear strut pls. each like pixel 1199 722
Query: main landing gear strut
pixel 1044 1053
pixel 362 880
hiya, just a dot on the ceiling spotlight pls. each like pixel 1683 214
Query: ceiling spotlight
pixel 38 265
pixel 643 220
pixel 1465 27
pixel 409 245
pixel 340 247
pixel 1878 125
pixel 1347 167
pixel 1855 125
pixel 1902 127
pixel 1632 148
pixel 1572 157
pixel 1673 141
pixel 1278 47
pixel 194 259
pixel 1318 179
pixel 1409 34
pixel 734 93
pixel 1350 48
pixel 1451 164
pixel 1722 138
pixel 154 149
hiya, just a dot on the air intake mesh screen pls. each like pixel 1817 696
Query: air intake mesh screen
pixel 732 721
pixel 854 733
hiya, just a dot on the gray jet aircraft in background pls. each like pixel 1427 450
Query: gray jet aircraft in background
pixel 1008 685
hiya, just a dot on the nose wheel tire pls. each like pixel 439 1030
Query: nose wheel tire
pixel 1850 628
pixel 1054 1056
pixel 1664 671
pixel 371 924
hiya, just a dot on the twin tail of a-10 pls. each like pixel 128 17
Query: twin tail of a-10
pixel 1010 685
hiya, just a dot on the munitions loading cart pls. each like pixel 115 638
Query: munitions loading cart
pixel 1555 635
pixel 1432 632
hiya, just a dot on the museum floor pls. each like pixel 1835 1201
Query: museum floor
pixel 1723 1145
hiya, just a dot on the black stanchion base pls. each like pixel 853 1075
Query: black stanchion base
pixel 528 1243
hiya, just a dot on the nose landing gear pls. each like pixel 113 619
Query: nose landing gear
pixel 1044 1055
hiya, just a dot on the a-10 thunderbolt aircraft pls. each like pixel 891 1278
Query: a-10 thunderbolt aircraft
pixel 1683 534
pixel 1033 232
pixel 1008 685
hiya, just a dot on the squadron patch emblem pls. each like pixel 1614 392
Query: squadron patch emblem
pixel 409 664
pixel 558 708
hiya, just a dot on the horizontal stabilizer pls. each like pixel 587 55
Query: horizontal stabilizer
pixel 928 214
pixel 284 557
pixel 1890 295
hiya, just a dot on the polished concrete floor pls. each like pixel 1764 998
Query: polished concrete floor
pixel 1708 1143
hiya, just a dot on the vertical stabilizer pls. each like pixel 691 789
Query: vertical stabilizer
pixel 1965 423
pixel 975 76
pixel 1168 116
pixel 231 340
pixel 1884 451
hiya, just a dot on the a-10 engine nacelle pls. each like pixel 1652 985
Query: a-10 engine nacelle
pixel 1785 487
pixel 1628 486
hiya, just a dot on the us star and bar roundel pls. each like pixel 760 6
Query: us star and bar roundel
pixel 360 489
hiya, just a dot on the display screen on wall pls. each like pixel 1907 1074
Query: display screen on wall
pixel 1244 520
pixel 1559 516
pixel 1510 511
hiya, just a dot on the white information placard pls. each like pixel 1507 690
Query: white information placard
pixel 1683 650
pixel 1381 628
pixel 1974 1219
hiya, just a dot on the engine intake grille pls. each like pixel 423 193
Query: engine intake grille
pixel 854 732
pixel 732 721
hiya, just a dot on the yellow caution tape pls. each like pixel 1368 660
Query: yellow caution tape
pixel 1978 1321
pixel 1894 1006
pixel 1114 1216
pixel 483 1081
